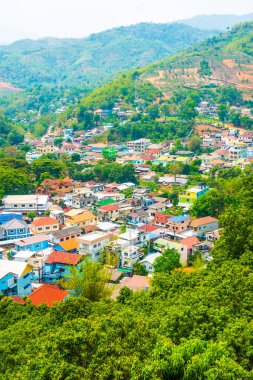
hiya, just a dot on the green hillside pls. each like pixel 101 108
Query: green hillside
pixel 186 69
pixel 221 60
pixel 72 62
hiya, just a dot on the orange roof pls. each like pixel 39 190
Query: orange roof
pixel 69 245
pixel 48 294
pixel 200 221
pixel 40 222
pixel 63 258
pixel 190 241
pixel 83 217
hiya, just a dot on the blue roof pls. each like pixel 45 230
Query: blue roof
pixel 180 218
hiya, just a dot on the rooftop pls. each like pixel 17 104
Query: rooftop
pixel 48 294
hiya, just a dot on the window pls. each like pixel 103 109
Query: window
pixel 26 275
pixel 22 206
pixel 39 228
pixel 15 205
pixel 54 226
pixel 30 206
pixel 37 246
pixel 27 286
pixel 11 231
pixel 47 228
pixel 67 238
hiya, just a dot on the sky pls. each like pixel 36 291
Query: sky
pixel 79 18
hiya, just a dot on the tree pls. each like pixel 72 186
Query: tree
pixel 31 215
pixel 58 141
pixel 47 165
pixel 167 261
pixel 140 269
pixel 195 143
pixel 75 157
pixel 89 281
pixel 187 109
pixel 223 112
pixel 153 111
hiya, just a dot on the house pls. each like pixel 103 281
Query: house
pixel 70 245
pixel 130 255
pixel 35 260
pixel 162 244
pixel 202 225
pixel 44 225
pixel 149 260
pixel 26 203
pixel 58 264
pixel 107 213
pixel 137 217
pixel 14 229
pixel 48 294
pixel 178 224
pixel 92 244
pixel 140 145
pixel 15 278
pixel 188 197
pixel 191 244
pixel 132 237
pixel 57 186
pixel 33 243
pixel 65 234
pixel 81 220
pixel 161 219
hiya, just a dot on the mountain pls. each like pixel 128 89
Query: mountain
pixel 224 60
pixel 71 62
pixel 216 21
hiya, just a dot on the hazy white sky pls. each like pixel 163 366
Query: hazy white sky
pixel 79 18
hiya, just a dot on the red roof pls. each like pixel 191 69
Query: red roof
pixel 18 299
pixel 48 294
pixel 63 258
pixel 91 228
pixel 109 208
pixel 149 228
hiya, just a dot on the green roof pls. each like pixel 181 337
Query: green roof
pixel 106 202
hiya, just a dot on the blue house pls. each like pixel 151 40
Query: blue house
pixel 15 278
pixel 14 229
pixel 58 264
pixel 33 243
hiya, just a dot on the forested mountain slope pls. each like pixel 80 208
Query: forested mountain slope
pixel 221 60
pixel 225 60
pixel 94 59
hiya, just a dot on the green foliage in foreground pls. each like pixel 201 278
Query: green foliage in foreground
pixel 189 326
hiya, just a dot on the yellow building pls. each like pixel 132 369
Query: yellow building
pixel 81 220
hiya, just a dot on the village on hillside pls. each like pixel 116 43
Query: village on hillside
pixel 125 225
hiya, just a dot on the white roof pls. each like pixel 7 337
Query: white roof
pixel 24 255
pixel 107 226
pixel 32 198
pixel 16 267
pixel 151 258
pixel 129 235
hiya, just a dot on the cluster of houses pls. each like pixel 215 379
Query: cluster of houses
pixel 73 221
